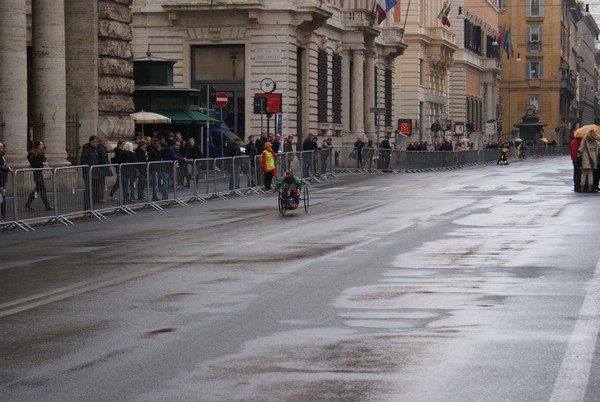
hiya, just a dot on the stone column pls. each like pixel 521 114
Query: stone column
pixel 13 78
pixel 369 94
pixel 346 99
pixel 358 122
pixel 49 76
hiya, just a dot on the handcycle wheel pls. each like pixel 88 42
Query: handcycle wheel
pixel 305 198
pixel 281 204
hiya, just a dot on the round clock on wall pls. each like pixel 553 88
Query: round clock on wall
pixel 267 85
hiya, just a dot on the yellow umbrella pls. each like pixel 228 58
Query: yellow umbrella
pixel 583 130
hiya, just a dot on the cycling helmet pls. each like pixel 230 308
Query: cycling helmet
pixel 289 175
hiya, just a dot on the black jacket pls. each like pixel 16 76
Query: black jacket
pixel 89 155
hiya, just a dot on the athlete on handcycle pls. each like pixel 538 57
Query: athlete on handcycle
pixel 291 186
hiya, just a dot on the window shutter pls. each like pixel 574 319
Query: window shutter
pixel 527 70
pixel 528 8
pixel 541 67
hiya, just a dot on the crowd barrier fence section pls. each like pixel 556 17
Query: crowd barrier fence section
pixel 61 194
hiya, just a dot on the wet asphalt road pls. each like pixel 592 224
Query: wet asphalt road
pixel 477 284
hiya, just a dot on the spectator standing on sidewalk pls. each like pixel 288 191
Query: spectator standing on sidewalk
pixel 128 171
pixel 37 160
pixel 193 152
pixel 106 171
pixel 117 159
pixel 251 151
pixel 4 170
pixel 358 151
pixel 589 150
pixel 233 165
pixel 260 143
pixel 574 150
pixel 308 147
pixel 141 155
pixel 171 154
pixel 155 152
pixel 268 165
pixel 89 157
pixel 326 151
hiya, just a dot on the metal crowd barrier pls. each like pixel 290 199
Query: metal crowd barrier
pixel 63 194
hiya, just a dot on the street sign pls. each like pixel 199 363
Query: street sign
pixel 405 126
pixel 208 93
pixel 260 105
pixel 273 102
pixel 222 99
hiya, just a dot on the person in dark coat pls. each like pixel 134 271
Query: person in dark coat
pixel 4 170
pixel 155 152
pixel 385 154
pixel 106 171
pixel 117 159
pixel 90 157
pixel 260 143
pixel 37 160
pixel 141 155
pixel 251 151
pixel 574 150
pixel 308 147
pixel 192 152
pixel 358 150
pixel 233 165
pixel 171 154
pixel 326 154
pixel 128 171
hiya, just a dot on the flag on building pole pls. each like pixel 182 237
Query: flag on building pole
pixel 383 7
pixel 507 44
pixel 501 35
pixel 444 13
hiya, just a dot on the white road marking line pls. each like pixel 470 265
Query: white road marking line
pixel 573 377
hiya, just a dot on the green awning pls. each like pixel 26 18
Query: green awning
pixel 198 116
pixel 187 116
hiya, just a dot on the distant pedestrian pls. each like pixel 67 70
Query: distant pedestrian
pixel 574 151
pixel 358 150
pixel 589 149
pixel 268 165
pixel 308 147
pixel 326 152
pixel 251 151
pixel 128 171
pixel 385 154
pixel 260 142
pixel 233 165
pixel 117 159
pixel 4 170
pixel 141 155
pixel 89 157
pixel 504 154
pixel 171 154
pixel 37 160
pixel 192 152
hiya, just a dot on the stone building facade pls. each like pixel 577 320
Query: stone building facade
pixel 544 69
pixel 59 59
pixel 449 75
pixel 332 64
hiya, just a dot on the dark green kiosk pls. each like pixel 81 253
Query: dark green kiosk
pixel 531 129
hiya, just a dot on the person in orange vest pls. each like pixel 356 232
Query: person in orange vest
pixel 268 165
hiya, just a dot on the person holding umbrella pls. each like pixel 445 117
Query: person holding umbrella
pixel 589 149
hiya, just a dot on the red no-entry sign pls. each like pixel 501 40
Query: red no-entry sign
pixel 222 99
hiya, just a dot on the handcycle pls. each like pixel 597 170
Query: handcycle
pixel 287 203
